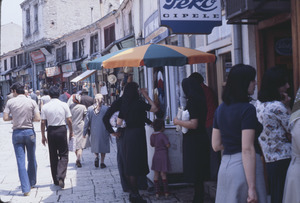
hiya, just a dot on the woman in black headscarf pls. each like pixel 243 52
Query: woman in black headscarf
pixel 133 111
pixel 195 141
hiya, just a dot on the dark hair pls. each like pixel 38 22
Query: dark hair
pixel 45 92
pixel 54 92
pixel 18 87
pixel 130 95
pixel 158 124
pixel 192 88
pixel 195 96
pixel 198 77
pixel 238 81
pixel 272 80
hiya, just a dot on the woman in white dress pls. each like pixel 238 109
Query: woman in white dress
pixel 292 181
pixel 78 114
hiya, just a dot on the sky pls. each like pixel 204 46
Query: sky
pixel 11 12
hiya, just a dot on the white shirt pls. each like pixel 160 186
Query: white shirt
pixel 274 117
pixel 55 112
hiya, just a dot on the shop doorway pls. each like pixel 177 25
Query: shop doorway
pixel 275 49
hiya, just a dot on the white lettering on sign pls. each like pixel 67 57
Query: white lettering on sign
pixel 191 10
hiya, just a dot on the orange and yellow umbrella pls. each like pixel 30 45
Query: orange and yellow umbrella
pixel 154 55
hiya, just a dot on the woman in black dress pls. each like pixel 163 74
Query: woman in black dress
pixel 195 141
pixel 133 111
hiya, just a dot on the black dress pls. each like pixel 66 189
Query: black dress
pixel 196 146
pixel 135 146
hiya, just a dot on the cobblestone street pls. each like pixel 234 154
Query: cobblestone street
pixel 86 184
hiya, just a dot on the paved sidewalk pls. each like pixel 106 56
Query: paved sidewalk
pixel 86 184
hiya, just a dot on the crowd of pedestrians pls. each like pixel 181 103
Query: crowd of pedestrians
pixel 259 139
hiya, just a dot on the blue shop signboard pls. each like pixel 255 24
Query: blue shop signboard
pixel 190 16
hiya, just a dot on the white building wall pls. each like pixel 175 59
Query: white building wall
pixel 57 18
pixel 11 37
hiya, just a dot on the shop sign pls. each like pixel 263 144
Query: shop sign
pixel 158 35
pixel 52 71
pixel 69 67
pixel 190 16
pixel 23 72
pixel 153 32
pixel 38 56
pixel 284 47
pixel 14 74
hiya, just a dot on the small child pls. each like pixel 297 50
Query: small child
pixel 160 161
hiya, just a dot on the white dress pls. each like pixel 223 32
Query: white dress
pixel 292 181
pixel 78 113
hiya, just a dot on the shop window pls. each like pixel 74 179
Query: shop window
pixel 61 54
pixel 159 90
pixel 13 62
pixel 141 77
pixel 223 68
pixel 75 50
pixel 27 22
pixel 131 30
pixel 78 49
pixel 227 64
pixel 94 44
pixel 20 59
pixel 109 34
pixel 81 48
pixel 36 19
pixel 26 58
pixel 5 65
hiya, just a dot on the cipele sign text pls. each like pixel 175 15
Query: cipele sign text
pixel 190 16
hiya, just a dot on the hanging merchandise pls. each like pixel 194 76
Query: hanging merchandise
pixel 112 79
pixel 128 70
pixel 103 89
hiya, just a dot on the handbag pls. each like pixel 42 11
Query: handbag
pixel 72 144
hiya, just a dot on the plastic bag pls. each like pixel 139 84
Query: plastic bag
pixel 185 117
pixel 72 144
pixel 179 116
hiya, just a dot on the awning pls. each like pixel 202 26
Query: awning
pixel 21 68
pixel 83 75
pixel 124 42
pixel 68 74
pixel 97 63
pixel 6 72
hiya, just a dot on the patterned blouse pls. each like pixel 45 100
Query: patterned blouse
pixel 275 120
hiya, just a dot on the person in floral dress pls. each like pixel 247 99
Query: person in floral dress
pixel 273 112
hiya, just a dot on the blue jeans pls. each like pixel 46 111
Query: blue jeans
pixel 25 139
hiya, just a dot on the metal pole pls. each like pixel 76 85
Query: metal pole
pixel 181 74
pixel 237 43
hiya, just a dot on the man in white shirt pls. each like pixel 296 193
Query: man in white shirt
pixel 23 111
pixel 56 113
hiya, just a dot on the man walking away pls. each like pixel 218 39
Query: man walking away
pixel 85 98
pixel 56 113
pixel 64 96
pixel 23 111
pixel 33 95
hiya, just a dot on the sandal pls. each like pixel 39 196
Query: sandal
pixel 78 164
pixel 102 165
pixel 97 162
